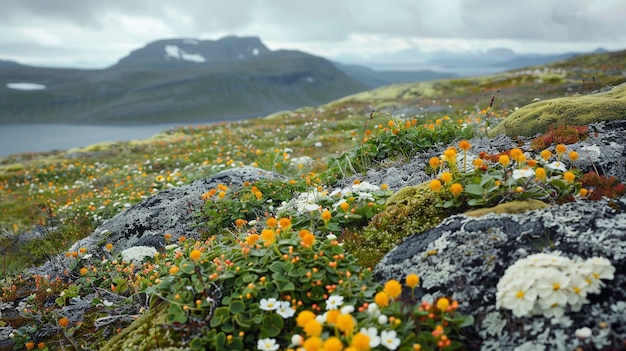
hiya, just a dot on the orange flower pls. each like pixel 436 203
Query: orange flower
pixel 504 160
pixel 518 155
pixel 108 247
pixel 30 345
pixel 456 189
pixel 540 173
pixel 304 317
pixel 360 341
pixel 239 223
pixel 569 177
pixel 344 206
pixel 268 235
pixel 393 288
pixel 272 222
pixel 195 255
pixel 313 328
pixel 308 240
pixel 252 239
pixel 450 155
pixel 84 271
pixel 313 344
pixel 546 154
pixel 434 162
pixel 41 345
pixel 560 149
pixel 284 223
pixel 446 177
pixel 443 303
pixel 333 344
pixel 381 299
pixel 412 280
pixel 345 323
pixel 477 163
pixel 573 155
pixel 435 185
pixel 64 322
pixel 326 215
pixel 464 145
pixel 174 270
pixel 583 192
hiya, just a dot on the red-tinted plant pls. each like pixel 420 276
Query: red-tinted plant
pixel 601 186
pixel 563 134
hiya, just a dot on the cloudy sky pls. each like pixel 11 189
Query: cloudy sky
pixel 95 34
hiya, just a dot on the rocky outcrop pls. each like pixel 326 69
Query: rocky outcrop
pixel 466 258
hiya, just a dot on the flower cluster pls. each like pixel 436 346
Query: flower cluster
pixel 546 284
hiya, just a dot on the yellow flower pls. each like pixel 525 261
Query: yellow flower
pixel 412 280
pixel 381 299
pixel 546 154
pixel 518 155
pixel 583 192
pixel 326 215
pixel 477 163
pixel 268 235
pixel 84 271
pixel 450 155
pixel 313 328
pixel 195 255
pixel 174 270
pixel 272 222
pixel 540 173
pixel 252 239
pixel 108 247
pixel 393 288
pixel 308 240
pixel 504 160
pixel 569 177
pixel 345 323
pixel 284 223
pixel 443 303
pixel 332 315
pixel 456 189
pixel 435 185
pixel 304 317
pixel 446 177
pixel 464 145
pixel 560 149
pixel 434 162
pixel 333 344
pixel 384 186
pixel 344 206
pixel 573 155
pixel 313 344
pixel 361 341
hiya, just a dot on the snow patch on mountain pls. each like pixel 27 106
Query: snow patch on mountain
pixel 25 86
pixel 173 51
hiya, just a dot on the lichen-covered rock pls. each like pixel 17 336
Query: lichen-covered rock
pixel 539 116
pixel 466 257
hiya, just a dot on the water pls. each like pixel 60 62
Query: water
pixel 24 138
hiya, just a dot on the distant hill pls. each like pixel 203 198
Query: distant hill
pixel 176 80
pixel 375 78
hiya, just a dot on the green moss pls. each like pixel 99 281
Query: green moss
pixel 538 117
pixel 509 207
pixel 409 211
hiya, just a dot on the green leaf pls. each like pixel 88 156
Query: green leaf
pixel 237 307
pixel 284 286
pixel 474 190
pixel 272 325
pixel 242 321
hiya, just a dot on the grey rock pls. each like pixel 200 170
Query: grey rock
pixel 473 254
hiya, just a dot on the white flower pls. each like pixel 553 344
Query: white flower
pixel 87 256
pixel 311 207
pixel 389 340
pixel 321 318
pixel 334 302
pixel 518 297
pixel 331 237
pixel 297 339
pixel 267 345
pixel 284 309
pixel 372 333
pixel 557 166
pixel 583 333
pixel 270 304
pixel 373 310
pixel 551 287
pixel 523 173
pixel 347 309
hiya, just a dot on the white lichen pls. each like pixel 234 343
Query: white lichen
pixel 137 254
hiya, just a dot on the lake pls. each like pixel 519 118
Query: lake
pixel 23 138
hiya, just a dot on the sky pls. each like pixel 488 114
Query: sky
pixel 96 34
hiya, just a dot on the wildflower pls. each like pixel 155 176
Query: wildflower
pixel 381 299
pixel 546 154
pixel 393 288
pixel 195 255
pixel 313 328
pixel 443 303
pixel 464 145
pixel 308 239
pixel 160 179
pixel 477 162
pixel 518 297
pixel 372 333
pixel 64 322
pixel 518 155
pixel 456 189
pixel 304 317
pixel 268 235
pixel 504 160
pixel 284 309
pixel 560 149
pixel 434 162
pixel 345 323
pixel 556 166
pixel 326 215
pixel 312 344
pixel 252 239
pixel 450 155
pixel 334 302
pixel 344 206
pixel 362 341
pixel 174 270
pixel 267 345
pixel 239 223
pixel 84 271
pixel 270 304
pixel 435 185
pixel 569 177
pixel 583 192
pixel 573 155
pixel 271 222
pixel 333 344
pixel 297 339
pixel 412 280
pixel 389 339
pixel 30 345
pixel 523 173
pixel 41 345
pixel 108 247
pixel 446 177
pixel 284 223
pixel 540 174
pixel 382 319
pixel 331 316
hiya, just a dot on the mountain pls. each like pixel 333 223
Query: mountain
pixel 375 78
pixel 175 80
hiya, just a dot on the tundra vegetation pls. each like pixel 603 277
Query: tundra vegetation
pixel 283 264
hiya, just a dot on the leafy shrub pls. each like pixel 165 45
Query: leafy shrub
pixel 563 134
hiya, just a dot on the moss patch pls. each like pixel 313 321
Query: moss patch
pixel 538 117
pixel 409 211
pixel 509 207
